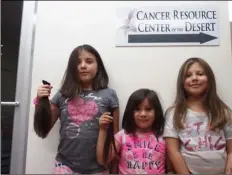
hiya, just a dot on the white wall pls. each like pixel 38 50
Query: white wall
pixel 230 10
pixel 230 18
pixel 61 26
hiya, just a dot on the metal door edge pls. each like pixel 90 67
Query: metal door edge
pixel 23 88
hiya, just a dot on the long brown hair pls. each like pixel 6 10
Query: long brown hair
pixel 218 111
pixel 69 88
pixel 43 116
pixel 109 143
pixel 71 82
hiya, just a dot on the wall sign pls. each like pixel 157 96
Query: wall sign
pixel 174 25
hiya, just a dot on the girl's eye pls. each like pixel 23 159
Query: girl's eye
pixel 136 109
pixel 89 61
pixel 201 73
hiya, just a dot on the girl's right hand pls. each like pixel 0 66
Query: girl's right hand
pixel 105 120
pixel 44 91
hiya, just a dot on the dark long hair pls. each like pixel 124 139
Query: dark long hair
pixel 110 142
pixel 43 116
pixel 70 87
pixel 220 113
pixel 71 81
pixel 136 98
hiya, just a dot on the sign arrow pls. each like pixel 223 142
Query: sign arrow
pixel 171 38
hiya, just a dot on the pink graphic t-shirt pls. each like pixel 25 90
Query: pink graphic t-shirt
pixel 141 154
pixel 79 126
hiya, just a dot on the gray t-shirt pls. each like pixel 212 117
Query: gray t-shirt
pixel 204 151
pixel 79 128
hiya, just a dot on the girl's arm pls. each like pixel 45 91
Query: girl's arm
pixel 43 113
pixel 177 160
pixel 229 156
pixel 100 148
pixel 104 122
pixel 169 167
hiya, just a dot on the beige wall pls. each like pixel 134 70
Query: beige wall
pixel 231 35
pixel 230 19
pixel 63 25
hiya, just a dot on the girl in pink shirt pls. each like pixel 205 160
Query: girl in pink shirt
pixel 139 146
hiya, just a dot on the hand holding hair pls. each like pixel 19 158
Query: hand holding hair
pixel 43 114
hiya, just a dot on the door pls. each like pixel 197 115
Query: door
pixel 17 24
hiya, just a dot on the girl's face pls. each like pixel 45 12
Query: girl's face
pixel 87 67
pixel 196 82
pixel 144 116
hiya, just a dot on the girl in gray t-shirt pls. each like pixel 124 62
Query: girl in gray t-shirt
pixel 83 97
pixel 198 128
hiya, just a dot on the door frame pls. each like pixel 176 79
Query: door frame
pixel 23 88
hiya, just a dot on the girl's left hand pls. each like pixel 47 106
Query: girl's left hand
pixel 229 169
pixel 105 120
